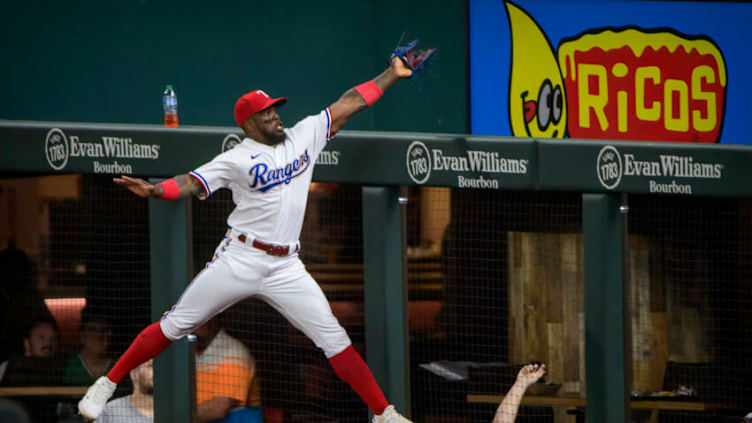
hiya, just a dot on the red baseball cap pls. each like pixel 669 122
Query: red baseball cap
pixel 254 102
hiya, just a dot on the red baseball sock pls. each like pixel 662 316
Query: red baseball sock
pixel 351 368
pixel 148 344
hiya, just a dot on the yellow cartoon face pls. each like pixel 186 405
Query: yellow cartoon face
pixel 537 101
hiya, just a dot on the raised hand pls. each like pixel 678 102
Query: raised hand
pixel 413 59
pixel 136 185
pixel 399 68
pixel 530 373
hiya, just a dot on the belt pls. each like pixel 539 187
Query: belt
pixel 271 249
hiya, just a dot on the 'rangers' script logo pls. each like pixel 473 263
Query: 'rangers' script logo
pixel 56 148
pixel 418 162
pixel 609 167
pixel 263 178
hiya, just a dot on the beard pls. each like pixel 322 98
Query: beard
pixel 147 388
pixel 275 137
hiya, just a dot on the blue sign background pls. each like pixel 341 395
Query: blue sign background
pixel 728 24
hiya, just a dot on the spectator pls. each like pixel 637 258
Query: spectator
pixel 37 365
pixel 135 408
pixel 93 360
pixel 225 373
pixel 507 411
pixel 19 299
pixel 225 383
pixel 39 341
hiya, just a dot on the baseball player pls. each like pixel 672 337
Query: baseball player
pixel 269 174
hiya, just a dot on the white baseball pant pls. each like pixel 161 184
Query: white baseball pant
pixel 239 271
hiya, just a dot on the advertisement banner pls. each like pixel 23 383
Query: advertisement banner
pixel 614 70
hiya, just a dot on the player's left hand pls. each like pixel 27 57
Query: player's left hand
pixel 400 68
pixel 413 59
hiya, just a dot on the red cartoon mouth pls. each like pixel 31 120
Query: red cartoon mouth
pixel 529 108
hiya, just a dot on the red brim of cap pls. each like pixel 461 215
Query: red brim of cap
pixel 279 102
pixel 244 109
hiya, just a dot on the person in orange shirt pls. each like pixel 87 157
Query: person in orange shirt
pixel 226 382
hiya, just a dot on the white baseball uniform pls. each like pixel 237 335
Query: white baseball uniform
pixel 269 187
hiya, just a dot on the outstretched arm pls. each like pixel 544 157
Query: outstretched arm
pixel 507 411
pixel 181 186
pixel 352 101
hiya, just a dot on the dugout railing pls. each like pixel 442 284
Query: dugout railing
pixel 604 173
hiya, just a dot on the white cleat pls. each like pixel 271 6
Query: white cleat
pixel 91 405
pixel 390 415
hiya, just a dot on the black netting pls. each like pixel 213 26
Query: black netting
pixel 75 274
pixel 689 296
pixel 495 283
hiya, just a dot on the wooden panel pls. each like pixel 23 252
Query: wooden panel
pixel 60 187
pixel 551 251
pixel 515 321
pixel 533 299
pixel 657 287
pixel 545 318
pixel 570 310
pixel 581 311
pixel 658 349
pixel 546 272
pixel 639 308
pixel 555 354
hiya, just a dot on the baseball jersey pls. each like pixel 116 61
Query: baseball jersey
pixel 269 184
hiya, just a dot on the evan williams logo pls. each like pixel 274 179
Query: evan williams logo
pixel 328 158
pixel 609 167
pixel 418 162
pixel 421 161
pixel 56 149
pixel 230 141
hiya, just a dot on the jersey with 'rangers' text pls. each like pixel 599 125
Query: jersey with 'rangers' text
pixel 269 184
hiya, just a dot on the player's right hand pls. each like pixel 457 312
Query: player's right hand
pixel 136 185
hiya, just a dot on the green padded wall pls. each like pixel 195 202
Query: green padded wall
pixel 91 61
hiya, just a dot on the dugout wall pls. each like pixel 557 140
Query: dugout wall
pixel 623 265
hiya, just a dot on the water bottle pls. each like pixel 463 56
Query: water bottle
pixel 170 104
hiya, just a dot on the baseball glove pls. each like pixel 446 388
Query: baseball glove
pixel 413 58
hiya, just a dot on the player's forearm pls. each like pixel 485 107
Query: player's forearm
pixel 185 184
pixel 356 101
pixel 359 98
pixel 507 411
pixel 386 79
